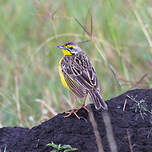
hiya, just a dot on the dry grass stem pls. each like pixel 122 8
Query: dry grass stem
pixel 141 23
pixel 109 131
pixel 124 106
pixel 95 129
pixel 129 140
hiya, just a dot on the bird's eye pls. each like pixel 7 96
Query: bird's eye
pixel 71 48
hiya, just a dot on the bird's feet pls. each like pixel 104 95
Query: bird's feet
pixel 69 113
pixel 74 111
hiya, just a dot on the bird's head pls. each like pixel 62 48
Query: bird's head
pixel 70 48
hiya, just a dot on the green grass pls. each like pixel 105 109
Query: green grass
pixel 121 51
pixel 59 148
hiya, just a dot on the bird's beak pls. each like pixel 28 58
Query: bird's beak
pixel 61 46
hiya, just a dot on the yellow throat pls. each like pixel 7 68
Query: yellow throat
pixel 65 52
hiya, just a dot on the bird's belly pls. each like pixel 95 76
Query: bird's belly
pixel 61 75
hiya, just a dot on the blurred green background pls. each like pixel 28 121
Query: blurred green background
pixel 120 49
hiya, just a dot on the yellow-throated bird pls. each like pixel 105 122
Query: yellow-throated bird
pixel 78 75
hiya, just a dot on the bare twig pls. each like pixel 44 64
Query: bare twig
pixel 150 133
pixel 48 107
pixel 139 81
pixel 109 131
pixel 17 98
pixel 95 129
pixel 129 140
pixel 141 105
pixel 125 105
pixel 83 41
pixel 115 75
pixel 84 28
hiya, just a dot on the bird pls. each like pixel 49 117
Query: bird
pixel 79 76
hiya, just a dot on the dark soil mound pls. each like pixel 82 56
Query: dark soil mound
pixel 131 119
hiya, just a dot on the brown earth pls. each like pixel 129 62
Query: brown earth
pixel 132 127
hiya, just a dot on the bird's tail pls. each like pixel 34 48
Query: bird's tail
pixel 97 99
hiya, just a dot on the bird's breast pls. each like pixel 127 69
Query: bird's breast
pixel 61 74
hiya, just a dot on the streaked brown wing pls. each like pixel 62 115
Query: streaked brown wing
pixel 88 79
pixel 87 75
pixel 75 87
pixel 80 70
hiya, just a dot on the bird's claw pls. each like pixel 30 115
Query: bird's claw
pixel 74 111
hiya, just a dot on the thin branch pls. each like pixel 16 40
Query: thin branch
pixel 83 41
pixel 89 34
pixel 125 105
pixel 129 140
pixel 140 80
pixel 109 131
pixel 95 129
